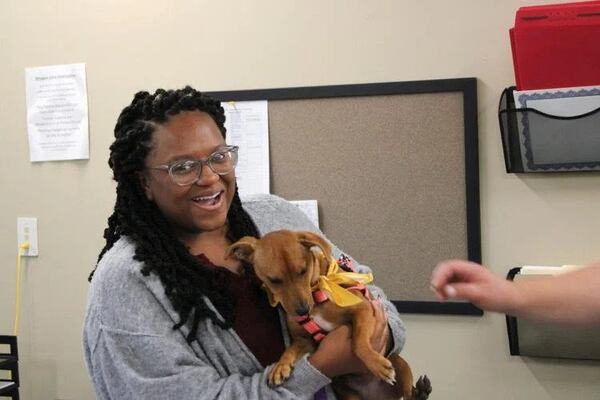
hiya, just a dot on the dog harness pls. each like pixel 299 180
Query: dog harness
pixel 335 286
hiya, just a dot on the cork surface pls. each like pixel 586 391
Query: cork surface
pixel 388 174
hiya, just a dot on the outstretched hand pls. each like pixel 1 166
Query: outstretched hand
pixel 458 279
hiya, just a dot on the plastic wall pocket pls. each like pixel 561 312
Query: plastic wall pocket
pixel 549 340
pixel 554 130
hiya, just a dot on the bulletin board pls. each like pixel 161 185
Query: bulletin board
pixel 394 168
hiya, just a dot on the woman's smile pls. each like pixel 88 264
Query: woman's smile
pixel 209 202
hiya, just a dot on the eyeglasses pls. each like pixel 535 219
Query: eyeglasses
pixel 187 172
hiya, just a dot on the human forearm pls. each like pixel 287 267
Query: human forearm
pixel 137 366
pixel 327 363
pixel 572 298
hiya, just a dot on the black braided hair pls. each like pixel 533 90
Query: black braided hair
pixel 184 277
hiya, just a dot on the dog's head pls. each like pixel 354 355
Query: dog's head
pixel 288 265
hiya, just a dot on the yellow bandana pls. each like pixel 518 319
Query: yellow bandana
pixel 333 283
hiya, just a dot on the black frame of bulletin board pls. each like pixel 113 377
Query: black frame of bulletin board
pixel 468 88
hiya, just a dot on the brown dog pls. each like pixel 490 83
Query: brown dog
pixel 290 269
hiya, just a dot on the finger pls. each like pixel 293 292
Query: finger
pixel 448 273
pixel 380 317
pixel 383 338
pixel 438 293
pixel 450 290
pixel 380 335
pixel 382 314
pixel 463 291
pixel 442 273
pixel 451 271
pixel 377 309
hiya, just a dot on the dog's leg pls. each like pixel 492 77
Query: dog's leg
pixel 362 329
pixel 403 375
pixel 282 370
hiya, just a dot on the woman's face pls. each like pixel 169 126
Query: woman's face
pixel 201 206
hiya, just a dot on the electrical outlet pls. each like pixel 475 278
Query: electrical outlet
pixel 27 233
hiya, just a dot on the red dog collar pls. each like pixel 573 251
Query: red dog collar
pixel 320 296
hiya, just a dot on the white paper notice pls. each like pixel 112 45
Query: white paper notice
pixel 247 124
pixel 310 208
pixel 57 112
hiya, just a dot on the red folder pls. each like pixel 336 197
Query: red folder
pixel 557 45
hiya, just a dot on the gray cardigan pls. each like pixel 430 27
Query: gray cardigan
pixel 132 351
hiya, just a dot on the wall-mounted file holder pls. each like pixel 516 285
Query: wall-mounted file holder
pixel 536 141
pixel 542 339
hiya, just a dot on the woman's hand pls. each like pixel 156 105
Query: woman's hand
pixel 335 357
pixel 381 338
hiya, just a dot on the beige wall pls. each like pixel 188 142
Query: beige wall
pixel 132 45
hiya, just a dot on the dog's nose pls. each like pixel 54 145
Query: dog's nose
pixel 302 309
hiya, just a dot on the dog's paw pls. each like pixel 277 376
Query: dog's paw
pixel 279 373
pixel 422 389
pixel 382 368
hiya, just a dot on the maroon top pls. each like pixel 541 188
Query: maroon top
pixel 256 322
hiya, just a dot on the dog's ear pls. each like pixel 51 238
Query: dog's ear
pixel 310 239
pixel 243 249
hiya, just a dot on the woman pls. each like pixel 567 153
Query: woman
pixel 168 316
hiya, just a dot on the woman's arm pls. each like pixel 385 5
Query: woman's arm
pixel 132 366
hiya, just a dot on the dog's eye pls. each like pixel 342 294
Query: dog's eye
pixel 275 281
pixel 302 272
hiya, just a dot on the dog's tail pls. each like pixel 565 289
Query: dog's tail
pixel 422 389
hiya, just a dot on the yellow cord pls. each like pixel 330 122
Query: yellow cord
pixel 22 248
